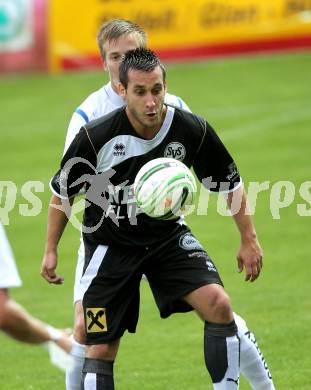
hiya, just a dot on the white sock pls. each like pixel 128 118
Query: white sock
pixel 54 333
pixel 252 363
pixel 231 379
pixel 74 374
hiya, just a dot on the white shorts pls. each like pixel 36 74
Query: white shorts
pixel 77 290
pixel 9 276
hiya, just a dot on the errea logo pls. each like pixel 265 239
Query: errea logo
pixel 175 150
pixel 233 172
pixel 119 149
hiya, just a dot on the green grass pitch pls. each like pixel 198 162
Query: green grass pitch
pixel 261 107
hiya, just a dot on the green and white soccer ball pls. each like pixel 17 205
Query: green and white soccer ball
pixel 165 188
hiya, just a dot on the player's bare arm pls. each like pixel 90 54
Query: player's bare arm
pixel 57 221
pixel 250 256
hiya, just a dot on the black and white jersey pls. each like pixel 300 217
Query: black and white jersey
pixel 107 154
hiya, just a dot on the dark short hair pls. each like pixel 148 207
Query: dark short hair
pixel 139 59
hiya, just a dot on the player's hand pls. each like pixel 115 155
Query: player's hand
pixel 48 267
pixel 250 258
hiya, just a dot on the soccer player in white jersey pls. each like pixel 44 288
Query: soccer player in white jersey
pixel 15 321
pixel 115 38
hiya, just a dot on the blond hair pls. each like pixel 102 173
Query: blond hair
pixel 115 28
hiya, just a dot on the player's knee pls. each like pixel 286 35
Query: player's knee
pixel 224 305
pixel 2 319
pixel 79 329
pixel 221 306
pixel 105 352
pixel 4 316
pixel 3 306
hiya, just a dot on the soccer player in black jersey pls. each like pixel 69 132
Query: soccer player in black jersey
pixel 115 38
pixel 121 245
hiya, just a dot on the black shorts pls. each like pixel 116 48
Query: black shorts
pixel 112 277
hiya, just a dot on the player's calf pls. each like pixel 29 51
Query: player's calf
pixel 97 374
pixel 74 373
pixel 221 343
pixel 222 355
pixel 253 364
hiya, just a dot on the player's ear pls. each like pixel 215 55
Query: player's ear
pixel 121 90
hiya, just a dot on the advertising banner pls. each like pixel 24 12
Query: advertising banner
pixel 57 34
pixel 179 29
pixel 22 35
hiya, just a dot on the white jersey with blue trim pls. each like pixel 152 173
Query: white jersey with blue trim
pixel 9 276
pixel 102 102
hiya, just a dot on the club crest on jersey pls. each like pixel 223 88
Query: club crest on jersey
pixel 175 150
pixel 189 242
pixel 119 149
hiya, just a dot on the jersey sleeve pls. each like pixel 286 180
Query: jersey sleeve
pixel 75 124
pixel 77 167
pixel 183 105
pixel 214 166
pixel 176 101
pixel 84 113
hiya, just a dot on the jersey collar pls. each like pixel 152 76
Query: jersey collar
pixel 113 96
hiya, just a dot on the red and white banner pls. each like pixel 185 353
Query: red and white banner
pixel 56 35
pixel 179 29
pixel 23 25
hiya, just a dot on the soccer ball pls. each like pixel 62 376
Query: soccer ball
pixel 164 188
